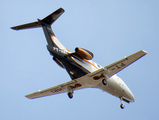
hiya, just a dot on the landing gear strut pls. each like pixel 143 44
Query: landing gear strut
pixel 70 92
pixel 121 105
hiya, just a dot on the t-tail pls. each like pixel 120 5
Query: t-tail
pixel 46 25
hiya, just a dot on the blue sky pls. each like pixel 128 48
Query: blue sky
pixel 110 29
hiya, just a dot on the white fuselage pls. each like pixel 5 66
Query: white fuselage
pixel 115 85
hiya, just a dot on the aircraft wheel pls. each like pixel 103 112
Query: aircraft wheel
pixel 122 106
pixel 70 95
pixel 104 81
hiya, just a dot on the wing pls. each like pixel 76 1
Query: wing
pixel 91 79
pixel 121 64
pixel 53 90
pixel 79 83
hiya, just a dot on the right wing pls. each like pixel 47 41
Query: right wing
pixel 53 90
pixel 79 83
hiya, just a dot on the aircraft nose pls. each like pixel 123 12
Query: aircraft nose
pixel 130 95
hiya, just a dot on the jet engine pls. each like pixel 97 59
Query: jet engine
pixel 83 53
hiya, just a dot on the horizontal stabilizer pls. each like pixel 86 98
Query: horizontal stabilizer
pixel 50 19
pixel 27 26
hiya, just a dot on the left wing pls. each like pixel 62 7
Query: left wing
pixel 123 63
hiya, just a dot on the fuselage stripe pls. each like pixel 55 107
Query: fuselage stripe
pixel 60 43
pixel 91 64
pixel 82 65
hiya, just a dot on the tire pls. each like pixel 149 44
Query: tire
pixel 70 95
pixel 122 106
pixel 104 81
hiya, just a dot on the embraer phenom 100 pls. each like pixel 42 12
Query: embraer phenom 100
pixel 83 72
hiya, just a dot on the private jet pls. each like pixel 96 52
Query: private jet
pixel 79 65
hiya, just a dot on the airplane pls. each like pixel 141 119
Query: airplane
pixel 83 71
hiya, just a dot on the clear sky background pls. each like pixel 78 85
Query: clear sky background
pixel 111 29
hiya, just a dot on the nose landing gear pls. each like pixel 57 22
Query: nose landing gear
pixel 121 105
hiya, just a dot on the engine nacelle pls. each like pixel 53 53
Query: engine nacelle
pixel 83 53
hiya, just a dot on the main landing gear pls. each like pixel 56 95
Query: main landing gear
pixel 70 95
pixel 70 92
pixel 121 105
pixel 104 81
